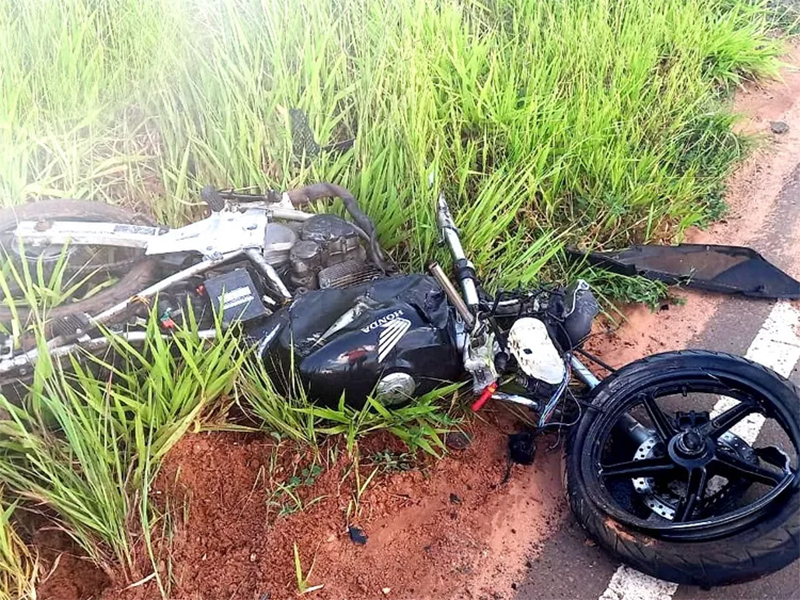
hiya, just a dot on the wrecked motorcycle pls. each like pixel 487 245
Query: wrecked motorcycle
pixel 663 467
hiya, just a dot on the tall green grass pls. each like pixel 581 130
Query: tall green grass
pixel 19 567
pixel 85 443
pixel 418 424
pixel 544 121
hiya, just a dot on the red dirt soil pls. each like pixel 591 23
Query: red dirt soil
pixel 71 575
pixel 450 530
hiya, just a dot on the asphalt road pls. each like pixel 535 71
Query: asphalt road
pixel 571 568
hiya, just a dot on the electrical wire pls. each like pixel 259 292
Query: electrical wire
pixel 553 402
pixel 561 424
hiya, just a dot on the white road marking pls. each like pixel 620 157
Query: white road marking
pixel 776 346
pixel 630 584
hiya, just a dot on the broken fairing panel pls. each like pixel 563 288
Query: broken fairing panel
pixel 725 269
pixel 534 351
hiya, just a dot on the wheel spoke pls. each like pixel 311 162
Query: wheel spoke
pixel 664 427
pixel 733 468
pixel 695 489
pixel 724 421
pixel 638 468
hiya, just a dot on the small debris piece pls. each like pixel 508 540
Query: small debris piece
pixel 457 440
pixel 253 557
pixel 522 447
pixel 454 499
pixel 778 127
pixel 357 535
pixel 386 591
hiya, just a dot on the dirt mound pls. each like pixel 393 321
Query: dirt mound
pixel 451 529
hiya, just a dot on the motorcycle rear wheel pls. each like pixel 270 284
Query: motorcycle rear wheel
pixel 672 534
pixel 135 278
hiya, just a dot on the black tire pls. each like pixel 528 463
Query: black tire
pixel 761 548
pixel 142 273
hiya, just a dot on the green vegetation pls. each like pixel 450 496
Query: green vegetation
pixel 303 586
pixel 418 424
pixel 85 443
pixel 45 286
pixel 284 498
pixel 593 121
pixel 625 289
pixel 388 461
pixel 18 567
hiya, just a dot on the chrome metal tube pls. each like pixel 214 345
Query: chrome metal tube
pixel 288 214
pixel 93 344
pixel 467 285
pixel 627 424
pixel 269 272
pixel 452 294
pixel 160 286
pixel 131 336
pixel 516 399
pixel 450 234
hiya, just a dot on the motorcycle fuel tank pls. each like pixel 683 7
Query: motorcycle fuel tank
pixel 392 338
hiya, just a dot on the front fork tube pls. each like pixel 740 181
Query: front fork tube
pixel 465 275
pixel 583 373
pixel 627 425
pixel 464 269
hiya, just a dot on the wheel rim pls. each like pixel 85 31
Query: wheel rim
pixel 79 271
pixel 666 485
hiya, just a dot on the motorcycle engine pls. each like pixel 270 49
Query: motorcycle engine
pixel 323 252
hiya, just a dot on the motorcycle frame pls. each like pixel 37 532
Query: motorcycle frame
pixel 236 231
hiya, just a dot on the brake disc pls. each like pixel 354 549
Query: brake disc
pixel 663 500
